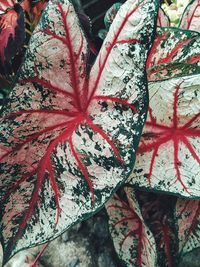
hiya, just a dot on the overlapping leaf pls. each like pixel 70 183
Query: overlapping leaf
pixel 67 141
pixel 175 53
pixel 132 238
pixel 157 211
pixel 162 19
pixel 187 218
pixel 191 17
pixel 169 152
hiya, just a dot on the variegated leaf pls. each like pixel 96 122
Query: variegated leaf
pixel 68 139
pixel 187 218
pixel 191 17
pixel 157 211
pixel 132 239
pixel 175 53
pixel 162 19
pixel 169 153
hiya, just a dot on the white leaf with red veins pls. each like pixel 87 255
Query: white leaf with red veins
pixel 133 241
pixel 187 218
pixel 168 157
pixel 68 139
pixel 191 17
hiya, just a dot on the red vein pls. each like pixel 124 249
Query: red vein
pixel 153 49
pixel 105 136
pixel 83 169
pixel 189 123
pixel 175 106
pixel 54 35
pixel 54 184
pixel 176 163
pixel 194 60
pixel 108 51
pixel 191 149
pixel 152 163
pixel 49 86
pixel 32 137
pixel 153 120
pixel 16 184
pixel 131 232
pixel 34 199
pixel 152 145
pixel 39 255
pixel 191 17
pixel 174 51
pixel 73 73
pixel 124 220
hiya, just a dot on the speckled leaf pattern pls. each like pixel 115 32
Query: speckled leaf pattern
pixel 68 139
pixel 132 239
pixel 187 218
pixel 175 53
pixel 163 20
pixel 169 152
pixel 191 17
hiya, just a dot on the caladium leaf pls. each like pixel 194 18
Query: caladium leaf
pixel 163 20
pixel 157 211
pixel 191 17
pixel 187 218
pixel 175 53
pixel 132 238
pixel 168 156
pixel 68 139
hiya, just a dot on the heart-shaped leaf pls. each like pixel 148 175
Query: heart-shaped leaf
pixel 168 156
pixel 191 17
pixel 174 53
pixel 187 218
pixel 132 238
pixel 68 139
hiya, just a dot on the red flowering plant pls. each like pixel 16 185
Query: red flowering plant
pixel 69 135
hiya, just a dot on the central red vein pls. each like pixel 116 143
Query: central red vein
pixel 74 72
pixel 109 49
